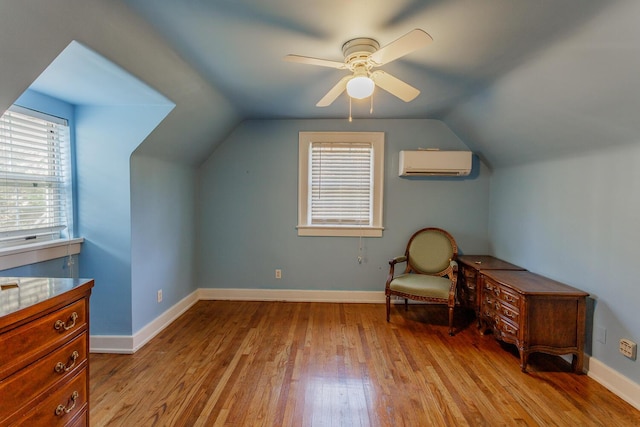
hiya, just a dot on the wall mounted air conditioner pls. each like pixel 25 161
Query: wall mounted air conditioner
pixel 435 163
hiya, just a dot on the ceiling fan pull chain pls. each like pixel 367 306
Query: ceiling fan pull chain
pixel 350 118
pixel 371 109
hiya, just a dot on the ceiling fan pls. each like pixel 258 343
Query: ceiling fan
pixel 361 55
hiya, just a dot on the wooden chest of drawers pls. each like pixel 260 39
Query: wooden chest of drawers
pixel 534 313
pixel 470 278
pixel 44 365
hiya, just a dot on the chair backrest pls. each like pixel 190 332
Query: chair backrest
pixel 430 251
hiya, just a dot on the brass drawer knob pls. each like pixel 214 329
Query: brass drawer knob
pixel 60 325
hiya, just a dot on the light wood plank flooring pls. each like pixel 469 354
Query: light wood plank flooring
pixel 320 364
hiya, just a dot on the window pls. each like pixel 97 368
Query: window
pixel 34 166
pixel 340 183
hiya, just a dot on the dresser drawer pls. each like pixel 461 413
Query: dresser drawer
pixel 28 342
pixel 21 388
pixel 82 420
pixel 61 407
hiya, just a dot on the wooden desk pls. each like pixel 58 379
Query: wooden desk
pixel 44 364
pixel 470 278
pixel 535 313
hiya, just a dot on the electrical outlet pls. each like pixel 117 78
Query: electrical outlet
pixel 278 274
pixel 628 348
pixel 160 295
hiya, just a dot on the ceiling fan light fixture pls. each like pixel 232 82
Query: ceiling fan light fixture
pixel 360 87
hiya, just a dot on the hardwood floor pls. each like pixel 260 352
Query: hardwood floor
pixel 320 364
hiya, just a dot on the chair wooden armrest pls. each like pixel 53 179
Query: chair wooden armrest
pixel 398 259
pixel 392 264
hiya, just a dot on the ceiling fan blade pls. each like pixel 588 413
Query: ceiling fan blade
pixel 406 44
pixel 394 86
pixel 315 61
pixel 334 92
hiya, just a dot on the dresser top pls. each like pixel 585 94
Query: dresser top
pixel 486 262
pixel 526 282
pixel 19 293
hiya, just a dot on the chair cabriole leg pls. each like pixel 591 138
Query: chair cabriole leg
pixel 388 306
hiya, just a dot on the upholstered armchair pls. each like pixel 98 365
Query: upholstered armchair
pixel 431 272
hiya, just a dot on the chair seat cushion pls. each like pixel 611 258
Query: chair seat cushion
pixel 422 285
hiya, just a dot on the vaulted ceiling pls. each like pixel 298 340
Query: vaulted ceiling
pixel 516 80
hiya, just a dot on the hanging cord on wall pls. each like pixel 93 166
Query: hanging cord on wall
pixel 65 153
pixel 361 228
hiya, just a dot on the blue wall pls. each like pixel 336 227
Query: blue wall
pixel 163 222
pixel 576 220
pixel 106 137
pixel 248 213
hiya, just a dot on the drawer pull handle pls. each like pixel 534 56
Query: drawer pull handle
pixel 60 325
pixel 62 410
pixel 509 299
pixel 62 368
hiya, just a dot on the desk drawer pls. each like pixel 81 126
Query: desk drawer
pixel 501 292
pixel 506 331
pixel 470 275
pixel 21 388
pixel 507 311
pixel 26 343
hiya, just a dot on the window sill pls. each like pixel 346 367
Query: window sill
pixel 17 256
pixel 306 230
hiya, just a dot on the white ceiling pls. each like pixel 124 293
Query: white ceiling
pixel 517 80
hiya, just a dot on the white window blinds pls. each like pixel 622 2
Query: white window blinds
pixel 341 176
pixel 33 164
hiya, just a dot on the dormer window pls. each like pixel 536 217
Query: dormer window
pixel 34 177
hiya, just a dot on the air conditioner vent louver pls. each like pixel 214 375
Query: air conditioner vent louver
pixel 435 163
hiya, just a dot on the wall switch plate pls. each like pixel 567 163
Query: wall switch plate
pixel 628 348
pixel 160 295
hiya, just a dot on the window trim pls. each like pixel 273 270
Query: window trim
pixel 18 256
pixel 304 142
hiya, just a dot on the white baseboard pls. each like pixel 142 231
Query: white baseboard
pixel 290 295
pixel 117 344
pixel 123 344
pixel 617 383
